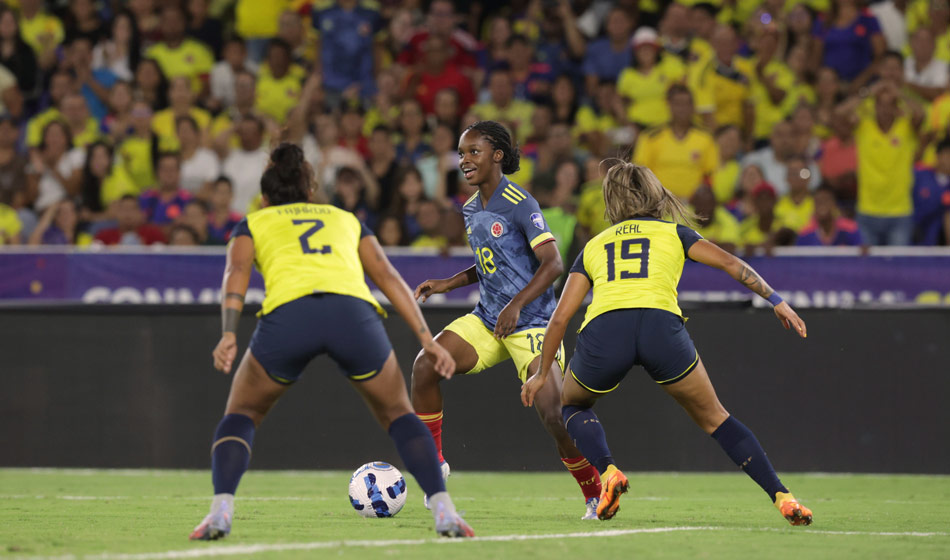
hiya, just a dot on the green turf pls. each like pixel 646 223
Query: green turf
pixel 62 512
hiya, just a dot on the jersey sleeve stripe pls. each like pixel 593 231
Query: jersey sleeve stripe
pixel 514 192
pixel 509 198
pixel 541 239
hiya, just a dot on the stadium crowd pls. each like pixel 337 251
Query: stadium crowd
pixel 815 122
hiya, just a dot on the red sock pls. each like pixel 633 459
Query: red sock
pixel 586 475
pixel 433 421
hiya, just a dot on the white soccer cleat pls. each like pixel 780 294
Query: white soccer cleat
pixel 217 524
pixel 448 523
pixel 592 504
pixel 446 471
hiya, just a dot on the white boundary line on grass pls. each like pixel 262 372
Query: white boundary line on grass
pixel 245 549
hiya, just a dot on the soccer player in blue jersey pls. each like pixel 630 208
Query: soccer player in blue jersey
pixel 634 319
pixel 517 261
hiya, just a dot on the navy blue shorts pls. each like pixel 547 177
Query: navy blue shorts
pixel 347 328
pixel 612 343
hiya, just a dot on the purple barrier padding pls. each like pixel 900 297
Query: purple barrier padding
pixel 807 281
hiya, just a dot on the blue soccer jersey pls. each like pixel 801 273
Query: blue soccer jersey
pixel 503 236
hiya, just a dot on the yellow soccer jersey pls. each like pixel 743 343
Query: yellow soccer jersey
pixel 636 263
pixel 163 125
pixel 302 249
pixel 885 165
pixel 647 92
pixel 795 216
pixel 724 229
pixel 136 156
pixel 681 164
pixel 191 58
pixel 35 126
pixel 275 98
pixel 10 225
pixel 768 114
pixel 43 29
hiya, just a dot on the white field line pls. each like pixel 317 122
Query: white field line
pixel 338 473
pixel 299 498
pixel 247 549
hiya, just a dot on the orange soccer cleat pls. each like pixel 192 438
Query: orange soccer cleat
pixel 614 484
pixel 794 512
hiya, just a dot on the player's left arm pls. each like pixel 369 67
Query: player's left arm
pixel 550 270
pixel 237 276
pixel 575 289
pixel 711 255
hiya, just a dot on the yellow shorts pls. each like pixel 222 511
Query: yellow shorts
pixel 522 347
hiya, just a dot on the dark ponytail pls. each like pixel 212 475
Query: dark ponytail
pixel 499 138
pixel 286 180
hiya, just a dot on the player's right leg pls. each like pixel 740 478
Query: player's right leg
pixel 427 391
pixel 253 393
pixel 696 395
pixel 385 395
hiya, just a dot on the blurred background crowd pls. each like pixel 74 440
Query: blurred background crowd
pixel 783 122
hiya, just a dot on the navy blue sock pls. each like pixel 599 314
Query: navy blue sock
pixel 231 452
pixel 588 435
pixel 740 445
pixel 417 450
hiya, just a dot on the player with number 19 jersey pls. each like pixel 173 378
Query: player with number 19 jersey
pixel 503 234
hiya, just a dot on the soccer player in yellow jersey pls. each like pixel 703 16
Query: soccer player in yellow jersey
pixel 312 258
pixel 633 319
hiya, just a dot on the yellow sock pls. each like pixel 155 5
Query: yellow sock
pixel 607 474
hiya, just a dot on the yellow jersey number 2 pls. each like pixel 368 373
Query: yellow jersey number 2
pixel 486 260
pixel 308 249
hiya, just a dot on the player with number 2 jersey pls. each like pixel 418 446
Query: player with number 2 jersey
pixel 313 258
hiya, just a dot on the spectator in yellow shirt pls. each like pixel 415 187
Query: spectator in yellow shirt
pixel 504 108
pixel 762 228
pixel 726 178
pixel 729 83
pixel 644 83
pixel 83 128
pixel 10 226
pixel 277 90
pixel 258 21
pixel 795 209
pixel 886 137
pixel 771 84
pixel 682 156
pixel 41 31
pixel 714 222
pixel 181 104
pixel 60 84
pixel 178 55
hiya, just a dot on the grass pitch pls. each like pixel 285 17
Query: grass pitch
pixel 138 515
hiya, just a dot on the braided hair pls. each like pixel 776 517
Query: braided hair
pixel 499 138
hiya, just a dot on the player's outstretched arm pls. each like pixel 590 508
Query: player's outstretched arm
pixel 548 271
pixel 237 275
pixel 572 297
pixel 387 278
pixel 431 287
pixel 710 254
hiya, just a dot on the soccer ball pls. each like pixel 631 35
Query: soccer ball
pixel 377 490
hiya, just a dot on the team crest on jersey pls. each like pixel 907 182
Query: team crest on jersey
pixel 537 220
pixel 497 229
